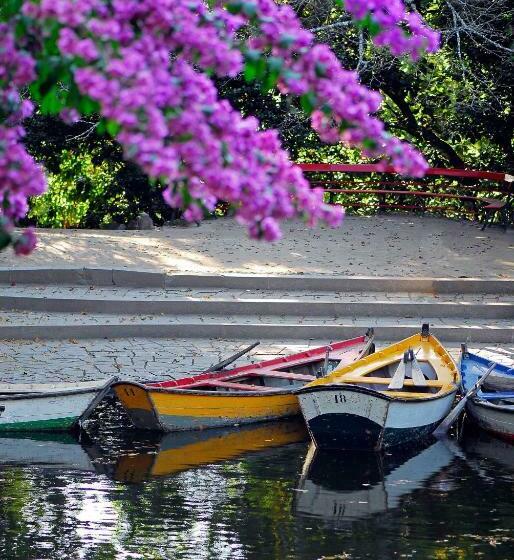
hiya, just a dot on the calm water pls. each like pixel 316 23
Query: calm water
pixel 258 492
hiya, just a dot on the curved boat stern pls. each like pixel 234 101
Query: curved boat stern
pixel 344 417
pixel 353 417
pixel 136 400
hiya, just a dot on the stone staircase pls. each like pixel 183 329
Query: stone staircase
pixel 96 303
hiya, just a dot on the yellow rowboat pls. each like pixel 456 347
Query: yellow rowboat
pixel 252 393
pixel 182 451
pixel 394 396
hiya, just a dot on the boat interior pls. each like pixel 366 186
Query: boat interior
pixel 398 377
pixel 288 377
pixel 498 389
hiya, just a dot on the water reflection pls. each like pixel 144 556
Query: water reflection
pixel 341 487
pixel 177 452
pixel 59 451
pixel 252 493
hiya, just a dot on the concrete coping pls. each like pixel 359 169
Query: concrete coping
pixel 137 278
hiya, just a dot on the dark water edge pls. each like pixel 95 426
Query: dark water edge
pixel 258 492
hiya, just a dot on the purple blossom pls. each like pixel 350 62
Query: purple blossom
pixel 147 64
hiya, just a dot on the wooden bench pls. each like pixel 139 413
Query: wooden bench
pixel 493 206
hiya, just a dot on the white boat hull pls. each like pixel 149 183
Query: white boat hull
pixel 351 417
pixel 497 419
pixel 53 409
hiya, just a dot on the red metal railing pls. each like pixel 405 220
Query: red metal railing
pixel 462 185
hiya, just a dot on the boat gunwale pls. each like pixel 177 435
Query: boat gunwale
pixel 487 404
pixel 354 388
pixel 184 391
pixel 30 396
pixel 306 356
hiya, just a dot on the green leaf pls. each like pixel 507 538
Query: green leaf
pixel 369 144
pixel 321 69
pixel 308 102
pixel 275 63
pixel 235 7
pixel 270 81
pixel 249 9
pixel 250 70
pixel 370 24
pixel 255 66
pixel 51 104
pixel 9 9
pixel 286 40
pixel 112 127
pixel 87 106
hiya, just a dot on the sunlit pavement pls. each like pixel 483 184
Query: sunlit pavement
pixel 396 245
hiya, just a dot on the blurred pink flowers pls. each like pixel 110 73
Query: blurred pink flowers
pixel 147 63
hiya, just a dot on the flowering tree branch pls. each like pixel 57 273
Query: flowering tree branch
pixel 145 67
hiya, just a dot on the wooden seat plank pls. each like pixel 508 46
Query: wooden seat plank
pixel 499 395
pixel 387 380
pixel 230 385
pixel 285 375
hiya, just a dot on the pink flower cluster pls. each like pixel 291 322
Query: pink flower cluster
pixel 403 32
pixel 342 107
pixel 147 64
pixel 20 176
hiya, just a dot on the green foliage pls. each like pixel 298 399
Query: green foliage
pixel 455 106
pixel 78 192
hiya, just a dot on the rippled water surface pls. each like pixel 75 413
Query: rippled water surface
pixel 259 492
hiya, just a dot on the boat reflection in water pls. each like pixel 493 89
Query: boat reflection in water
pixel 486 452
pixel 341 487
pixel 44 450
pixel 177 452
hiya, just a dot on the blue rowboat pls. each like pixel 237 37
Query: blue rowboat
pixel 492 407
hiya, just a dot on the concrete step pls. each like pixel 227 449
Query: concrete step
pixel 151 279
pixel 180 301
pixel 32 325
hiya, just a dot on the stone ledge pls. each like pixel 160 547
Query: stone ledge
pixel 255 331
pixel 435 309
pixel 148 279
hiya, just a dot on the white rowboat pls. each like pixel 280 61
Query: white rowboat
pixel 49 407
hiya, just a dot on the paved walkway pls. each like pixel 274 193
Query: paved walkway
pixel 377 246
pixel 141 358
pixel 396 245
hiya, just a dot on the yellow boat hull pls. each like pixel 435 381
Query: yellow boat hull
pixel 169 411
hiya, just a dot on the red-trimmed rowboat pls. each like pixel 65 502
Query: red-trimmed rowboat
pixel 242 395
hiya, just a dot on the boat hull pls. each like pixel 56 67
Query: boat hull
pixel 495 419
pixel 48 412
pixel 170 411
pixel 244 395
pixel 352 417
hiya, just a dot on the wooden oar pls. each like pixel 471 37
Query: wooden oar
pixel 446 424
pixel 230 359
